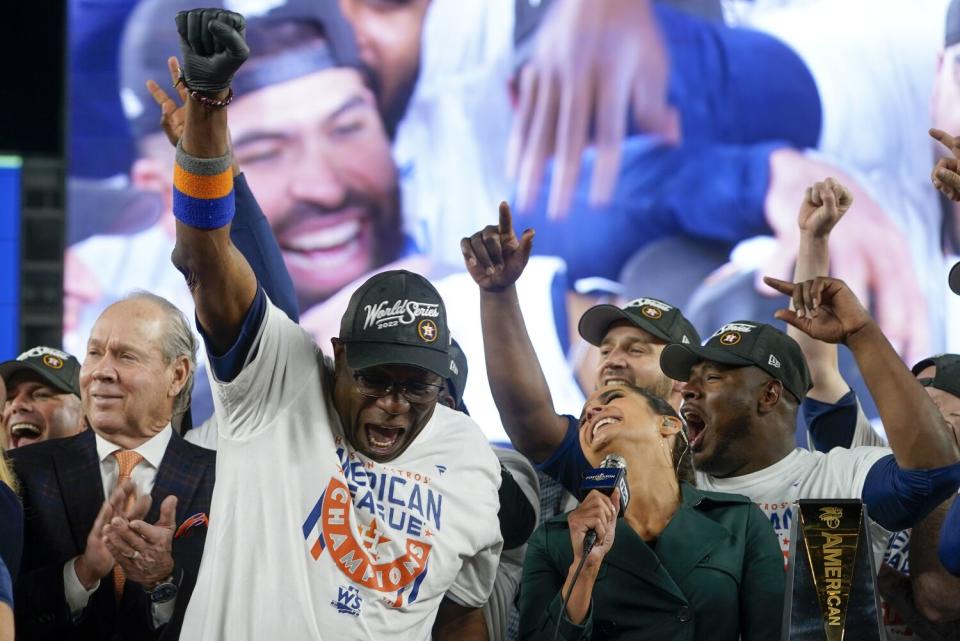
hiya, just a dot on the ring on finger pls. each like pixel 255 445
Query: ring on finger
pixel 134 556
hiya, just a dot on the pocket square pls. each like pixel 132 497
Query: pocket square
pixel 197 520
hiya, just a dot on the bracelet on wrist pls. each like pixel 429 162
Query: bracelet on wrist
pixel 206 101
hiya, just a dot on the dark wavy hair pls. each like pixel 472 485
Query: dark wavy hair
pixel 682 457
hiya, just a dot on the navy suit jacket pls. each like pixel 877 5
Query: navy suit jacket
pixel 62 493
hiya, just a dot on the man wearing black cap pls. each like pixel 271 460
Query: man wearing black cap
pixel 377 517
pixel 742 390
pixel 629 339
pixel 43 397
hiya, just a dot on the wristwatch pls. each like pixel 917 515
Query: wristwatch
pixel 164 592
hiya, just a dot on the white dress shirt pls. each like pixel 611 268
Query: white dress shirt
pixel 143 476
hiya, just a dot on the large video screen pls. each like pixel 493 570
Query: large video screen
pixel 663 153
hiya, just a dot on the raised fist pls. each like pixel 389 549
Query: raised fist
pixel 213 47
pixel 824 204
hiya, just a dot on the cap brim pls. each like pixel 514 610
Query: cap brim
pixel 361 355
pixel 677 360
pixel 596 321
pixel 922 365
pixel 9 368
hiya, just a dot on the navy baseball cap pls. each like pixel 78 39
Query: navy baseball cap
pixel 742 344
pixel 57 369
pixel 661 319
pixel 947 374
pixel 397 317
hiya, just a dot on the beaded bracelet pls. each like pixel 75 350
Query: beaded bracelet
pixel 211 103
pixel 206 101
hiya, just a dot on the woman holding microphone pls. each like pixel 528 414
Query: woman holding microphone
pixel 679 563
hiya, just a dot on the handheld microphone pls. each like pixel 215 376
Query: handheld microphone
pixel 610 476
pixel 954 279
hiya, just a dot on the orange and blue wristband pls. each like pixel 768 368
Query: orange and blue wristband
pixel 203 190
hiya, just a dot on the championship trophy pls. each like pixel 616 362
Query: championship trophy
pixel 831 581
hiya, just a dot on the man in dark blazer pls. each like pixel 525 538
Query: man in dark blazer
pixel 98 562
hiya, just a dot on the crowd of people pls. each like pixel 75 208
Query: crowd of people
pixel 341 483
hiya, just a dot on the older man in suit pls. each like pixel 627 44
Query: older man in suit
pixel 100 563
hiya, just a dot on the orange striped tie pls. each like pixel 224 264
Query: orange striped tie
pixel 127 459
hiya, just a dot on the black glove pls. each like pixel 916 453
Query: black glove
pixel 213 47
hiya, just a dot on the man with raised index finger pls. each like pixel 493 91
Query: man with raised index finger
pixel 379 518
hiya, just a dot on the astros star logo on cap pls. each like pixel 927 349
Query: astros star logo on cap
pixel 730 338
pixel 52 361
pixel 427 330
pixel 651 312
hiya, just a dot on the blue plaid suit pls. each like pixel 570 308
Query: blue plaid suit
pixel 62 492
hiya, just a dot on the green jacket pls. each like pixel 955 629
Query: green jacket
pixel 716 574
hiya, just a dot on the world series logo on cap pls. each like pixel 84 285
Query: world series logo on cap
pixel 427 330
pixel 730 338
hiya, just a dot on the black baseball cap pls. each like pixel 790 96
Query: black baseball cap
pixel 58 369
pixel 457 377
pixel 150 37
pixel 661 319
pixel 744 343
pixel 397 317
pixel 947 375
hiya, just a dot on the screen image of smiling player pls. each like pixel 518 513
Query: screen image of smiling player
pixel 380 512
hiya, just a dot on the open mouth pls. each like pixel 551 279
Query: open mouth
pixel 383 440
pixel 601 425
pixel 696 428
pixel 613 377
pixel 24 434
pixel 326 245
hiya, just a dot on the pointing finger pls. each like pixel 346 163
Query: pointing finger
pixel 943 138
pixel 782 286
pixel 506 223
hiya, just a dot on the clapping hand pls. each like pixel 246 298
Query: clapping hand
pixel 144 551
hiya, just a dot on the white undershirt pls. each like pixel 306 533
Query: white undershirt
pixel 143 476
